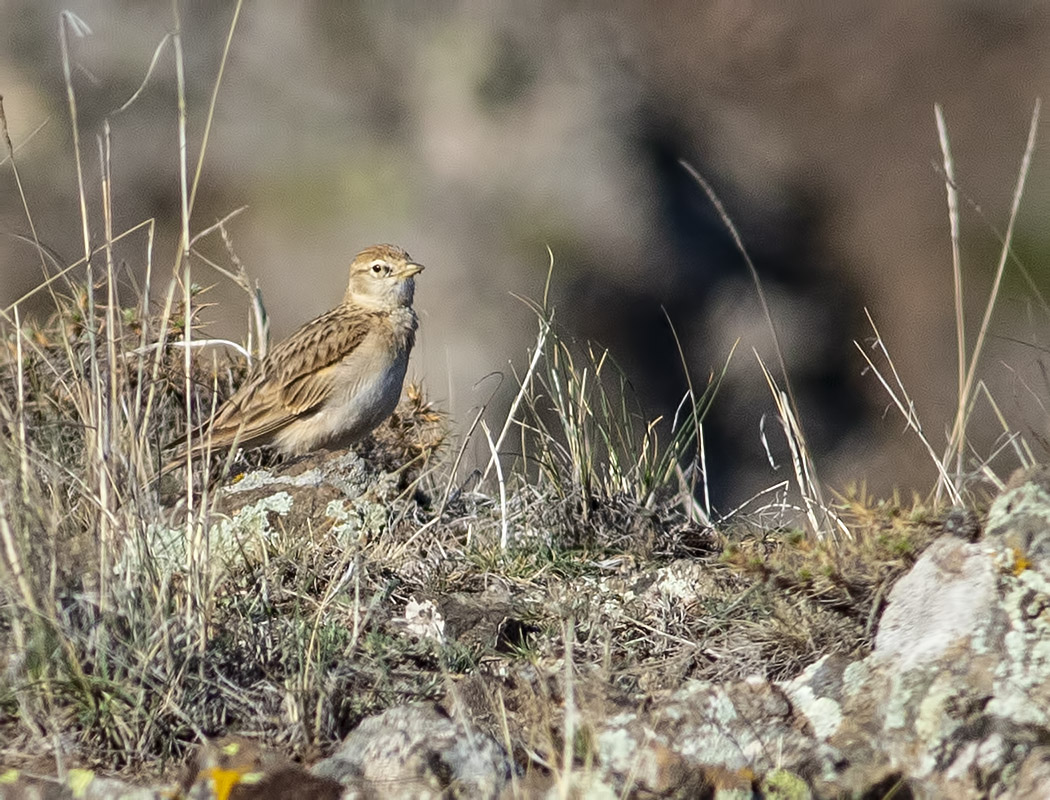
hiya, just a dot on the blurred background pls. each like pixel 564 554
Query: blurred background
pixel 476 133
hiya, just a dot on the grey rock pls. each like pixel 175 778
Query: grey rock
pixel 953 701
pixel 1020 516
pixel 417 751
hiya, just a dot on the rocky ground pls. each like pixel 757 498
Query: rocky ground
pixel 650 657
pixel 538 600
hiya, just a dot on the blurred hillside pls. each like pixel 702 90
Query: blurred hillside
pixel 477 132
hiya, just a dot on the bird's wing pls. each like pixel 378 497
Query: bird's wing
pixel 294 379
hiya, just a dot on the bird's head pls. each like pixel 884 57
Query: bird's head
pixel 383 275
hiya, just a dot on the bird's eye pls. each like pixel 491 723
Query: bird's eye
pixel 377 268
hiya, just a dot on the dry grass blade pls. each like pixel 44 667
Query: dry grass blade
pixel 182 262
pixel 957 437
pixel 701 453
pixel 149 72
pixel 581 425
pixel 210 116
pixel 12 149
pixel 906 407
pixel 18 183
pixel 504 537
pixel 70 21
pixel 826 522
pixel 753 271
pixel 953 224
pixel 63 273
pixel 525 385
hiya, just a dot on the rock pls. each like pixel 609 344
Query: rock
pixel 416 751
pixel 1033 778
pixel 948 594
pixel 1020 516
pixel 329 493
pixel 954 700
pixel 79 784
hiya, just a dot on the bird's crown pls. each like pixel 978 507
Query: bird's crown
pixel 381 252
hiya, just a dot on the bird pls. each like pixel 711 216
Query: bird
pixel 336 378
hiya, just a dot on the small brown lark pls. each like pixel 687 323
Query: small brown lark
pixel 337 377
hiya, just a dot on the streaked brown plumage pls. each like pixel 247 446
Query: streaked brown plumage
pixel 337 377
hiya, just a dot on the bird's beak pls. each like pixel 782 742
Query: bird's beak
pixel 411 269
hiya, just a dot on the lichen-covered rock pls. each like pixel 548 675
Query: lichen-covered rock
pixel 954 700
pixel 957 691
pixel 78 784
pixel 1020 517
pixel 326 491
pixel 333 493
pixel 417 751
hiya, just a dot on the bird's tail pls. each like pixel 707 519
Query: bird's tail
pixel 204 446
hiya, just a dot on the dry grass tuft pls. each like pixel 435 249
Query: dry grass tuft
pixel 128 626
